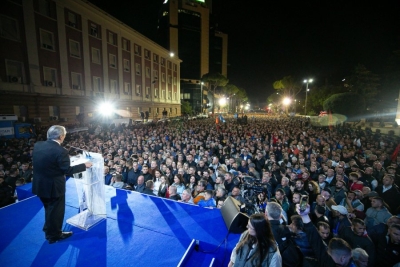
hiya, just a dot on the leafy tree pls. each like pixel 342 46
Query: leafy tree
pixel 317 96
pixel 350 104
pixel 364 83
pixel 214 81
pixel 287 87
pixel 186 108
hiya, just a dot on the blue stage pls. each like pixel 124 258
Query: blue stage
pixel 140 230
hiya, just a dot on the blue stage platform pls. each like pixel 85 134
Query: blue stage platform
pixel 140 230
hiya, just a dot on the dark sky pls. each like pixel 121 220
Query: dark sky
pixel 268 40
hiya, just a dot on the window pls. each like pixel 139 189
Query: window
pixel 127 65
pixel 174 96
pixel 185 96
pixel 54 111
pixel 146 54
pixel 176 110
pixel 155 74
pixel 138 90
pixel 147 72
pixel 125 44
pixel 94 30
pixel 97 84
pixel 50 77
pixel 72 19
pixel 79 110
pixel 138 69
pixel 169 79
pixel 147 92
pixel 155 58
pixel 127 89
pixel 113 61
pixel 44 7
pixel 169 94
pixel 174 80
pixel 14 71
pixel 46 40
pixel 162 61
pixel 155 92
pixel 175 67
pixel 74 49
pixel 9 28
pixel 114 86
pixel 137 50
pixel 163 94
pixel 76 81
pixel 169 65
pixel 96 57
pixel 111 38
pixel 163 77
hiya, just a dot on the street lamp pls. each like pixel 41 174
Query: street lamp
pixel 305 105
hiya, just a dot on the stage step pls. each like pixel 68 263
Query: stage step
pixel 196 255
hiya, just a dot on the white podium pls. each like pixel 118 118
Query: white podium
pixel 91 193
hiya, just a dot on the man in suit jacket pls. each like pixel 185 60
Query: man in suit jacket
pixel 51 163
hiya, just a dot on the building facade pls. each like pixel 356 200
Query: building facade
pixel 187 28
pixel 59 59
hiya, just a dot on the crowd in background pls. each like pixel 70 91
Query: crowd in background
pixel 348 176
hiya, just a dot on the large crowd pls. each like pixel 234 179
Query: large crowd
pixel 346 178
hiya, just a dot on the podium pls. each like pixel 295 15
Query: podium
pixel 91 192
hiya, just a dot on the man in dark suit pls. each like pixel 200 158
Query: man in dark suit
pixel 51 163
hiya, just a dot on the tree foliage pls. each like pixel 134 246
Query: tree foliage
pixel 363 82
pixel 317 97
pixel 288 86
pixel 186 108
pixel 214 81
pixel 350 104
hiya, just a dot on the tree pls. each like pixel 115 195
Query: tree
pixel 186 108
pixel 214 81
pixel 350 104
pixel 364 83
pixel 287 87
pixel 317 96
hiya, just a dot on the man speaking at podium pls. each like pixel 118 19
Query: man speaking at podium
pixel 51 163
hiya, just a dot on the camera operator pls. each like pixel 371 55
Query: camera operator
pixel 230 181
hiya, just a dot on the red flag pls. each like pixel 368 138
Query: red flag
pixel 395 153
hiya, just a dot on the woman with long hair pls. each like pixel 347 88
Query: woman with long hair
pixel 313 191
pixel 179 183
pixel 163 188
pixel 257 246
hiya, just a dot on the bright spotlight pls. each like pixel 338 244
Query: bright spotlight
pixel 222 101
pixel 286 101
pixel 106 109
pixel 171 54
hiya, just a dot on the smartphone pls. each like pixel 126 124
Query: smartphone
pixel 303 203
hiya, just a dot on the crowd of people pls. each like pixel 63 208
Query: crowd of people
pixel 330 195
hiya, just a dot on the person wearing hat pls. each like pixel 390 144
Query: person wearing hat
pixel 389 192
pixel 340 220
pixel 378 213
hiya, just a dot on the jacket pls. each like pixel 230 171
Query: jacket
pixel 51 163
pixel 244 257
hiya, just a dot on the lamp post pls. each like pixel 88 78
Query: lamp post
pixel 305 105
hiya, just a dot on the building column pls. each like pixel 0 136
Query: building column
pixel 62 41
pixel 32 48
pixel 86 51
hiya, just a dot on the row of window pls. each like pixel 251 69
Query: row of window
pixel 15 72
pixel 9 29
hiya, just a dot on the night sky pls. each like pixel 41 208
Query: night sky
pixel 268 40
